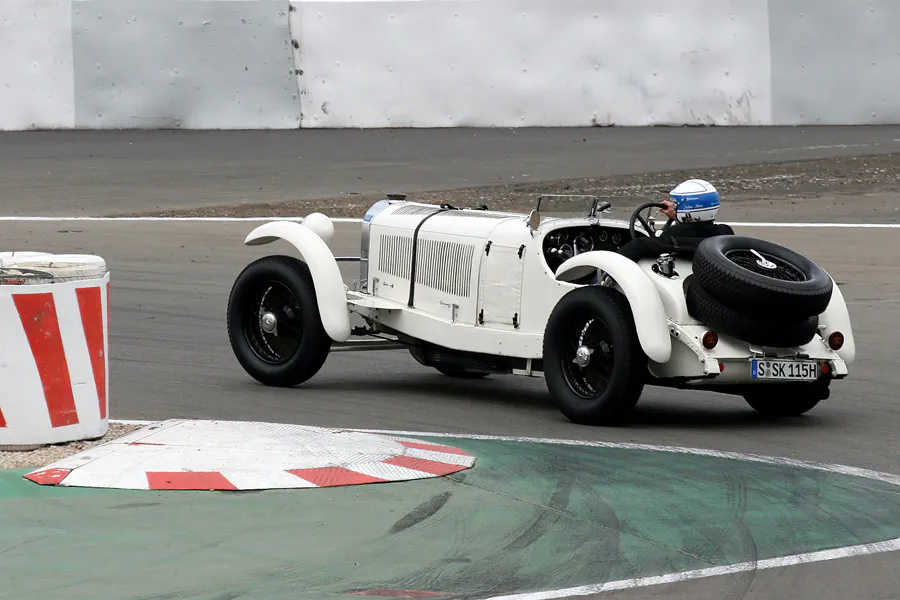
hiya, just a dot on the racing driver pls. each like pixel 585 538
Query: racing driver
pixel 693 205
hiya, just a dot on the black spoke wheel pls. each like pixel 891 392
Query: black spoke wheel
pixel 589 345
pixel 273 330
pixel 765 264
pixel 593 363
pixel 274 325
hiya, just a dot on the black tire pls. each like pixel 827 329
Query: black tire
pixel 786 400
pixel 461 373
pixel 284 286
pixel 773 331
pixel 587 395
pixel 797 288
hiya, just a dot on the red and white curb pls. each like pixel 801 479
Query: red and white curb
pixel 239 455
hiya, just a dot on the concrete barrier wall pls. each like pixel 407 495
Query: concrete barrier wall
pixel 235 64
pixel 534 62
pixel 194 64
pixel 835 62
pixel 36 73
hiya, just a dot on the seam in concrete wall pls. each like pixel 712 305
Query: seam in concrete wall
pixel 282 64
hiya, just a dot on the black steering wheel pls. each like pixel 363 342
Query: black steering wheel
pixel 636 216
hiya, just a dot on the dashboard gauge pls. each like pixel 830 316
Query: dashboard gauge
pixel 603 235
pixel 617 238
pixel 583 243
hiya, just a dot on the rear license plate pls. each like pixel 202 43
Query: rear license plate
pixel 785 369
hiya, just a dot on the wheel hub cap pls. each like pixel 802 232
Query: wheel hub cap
pixel 583 356
pixel 269 322
pixel 763 262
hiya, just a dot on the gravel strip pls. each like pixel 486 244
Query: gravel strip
pixel 798 182
pixel 42 457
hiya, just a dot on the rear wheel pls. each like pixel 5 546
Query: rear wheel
pixel 593 363
pixel 786 400
pixel 274 325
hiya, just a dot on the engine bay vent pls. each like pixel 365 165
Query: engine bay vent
pixel 445 266
pixel 395 255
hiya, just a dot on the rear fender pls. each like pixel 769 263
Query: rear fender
pixel 331 295
pixel 837 318
pixel 646 304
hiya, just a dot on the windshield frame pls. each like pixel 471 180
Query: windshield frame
pixel 592 206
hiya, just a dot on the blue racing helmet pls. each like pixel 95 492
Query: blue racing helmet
pixel 695 200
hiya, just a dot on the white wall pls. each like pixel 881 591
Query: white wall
pixel 196 64
pixel 235 64
pixel 835 61
pixel 534 62
pixel 36 88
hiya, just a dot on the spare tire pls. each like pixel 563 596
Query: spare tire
pixel 773 331
pixel 781 284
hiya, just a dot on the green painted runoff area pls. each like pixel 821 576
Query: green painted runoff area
pixel 528 517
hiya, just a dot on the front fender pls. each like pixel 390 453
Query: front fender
pixel 331 295
pixel 646 305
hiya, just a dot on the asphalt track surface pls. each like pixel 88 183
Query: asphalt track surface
pixel 109 172
pixel 170 356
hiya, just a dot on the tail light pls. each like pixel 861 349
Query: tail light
pixel 836 340
pixel 710 339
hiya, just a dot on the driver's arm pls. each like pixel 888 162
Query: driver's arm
pixel 652 247
pixel 669 210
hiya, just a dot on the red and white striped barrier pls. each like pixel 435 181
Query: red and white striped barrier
pixel 54 336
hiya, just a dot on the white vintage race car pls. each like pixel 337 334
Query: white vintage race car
pixel 471 292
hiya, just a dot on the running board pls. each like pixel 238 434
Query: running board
pixel 366 345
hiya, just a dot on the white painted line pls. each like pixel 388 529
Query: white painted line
pixel 772 460
pixel 15 219
pixel 892 545
pixel 822 225
pixel 168 219
pixel 771 563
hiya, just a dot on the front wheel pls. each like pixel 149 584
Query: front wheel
pixel 274 325
pixel 594 366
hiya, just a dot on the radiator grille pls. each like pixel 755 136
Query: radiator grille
pixel 445 266
pixel 395 255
